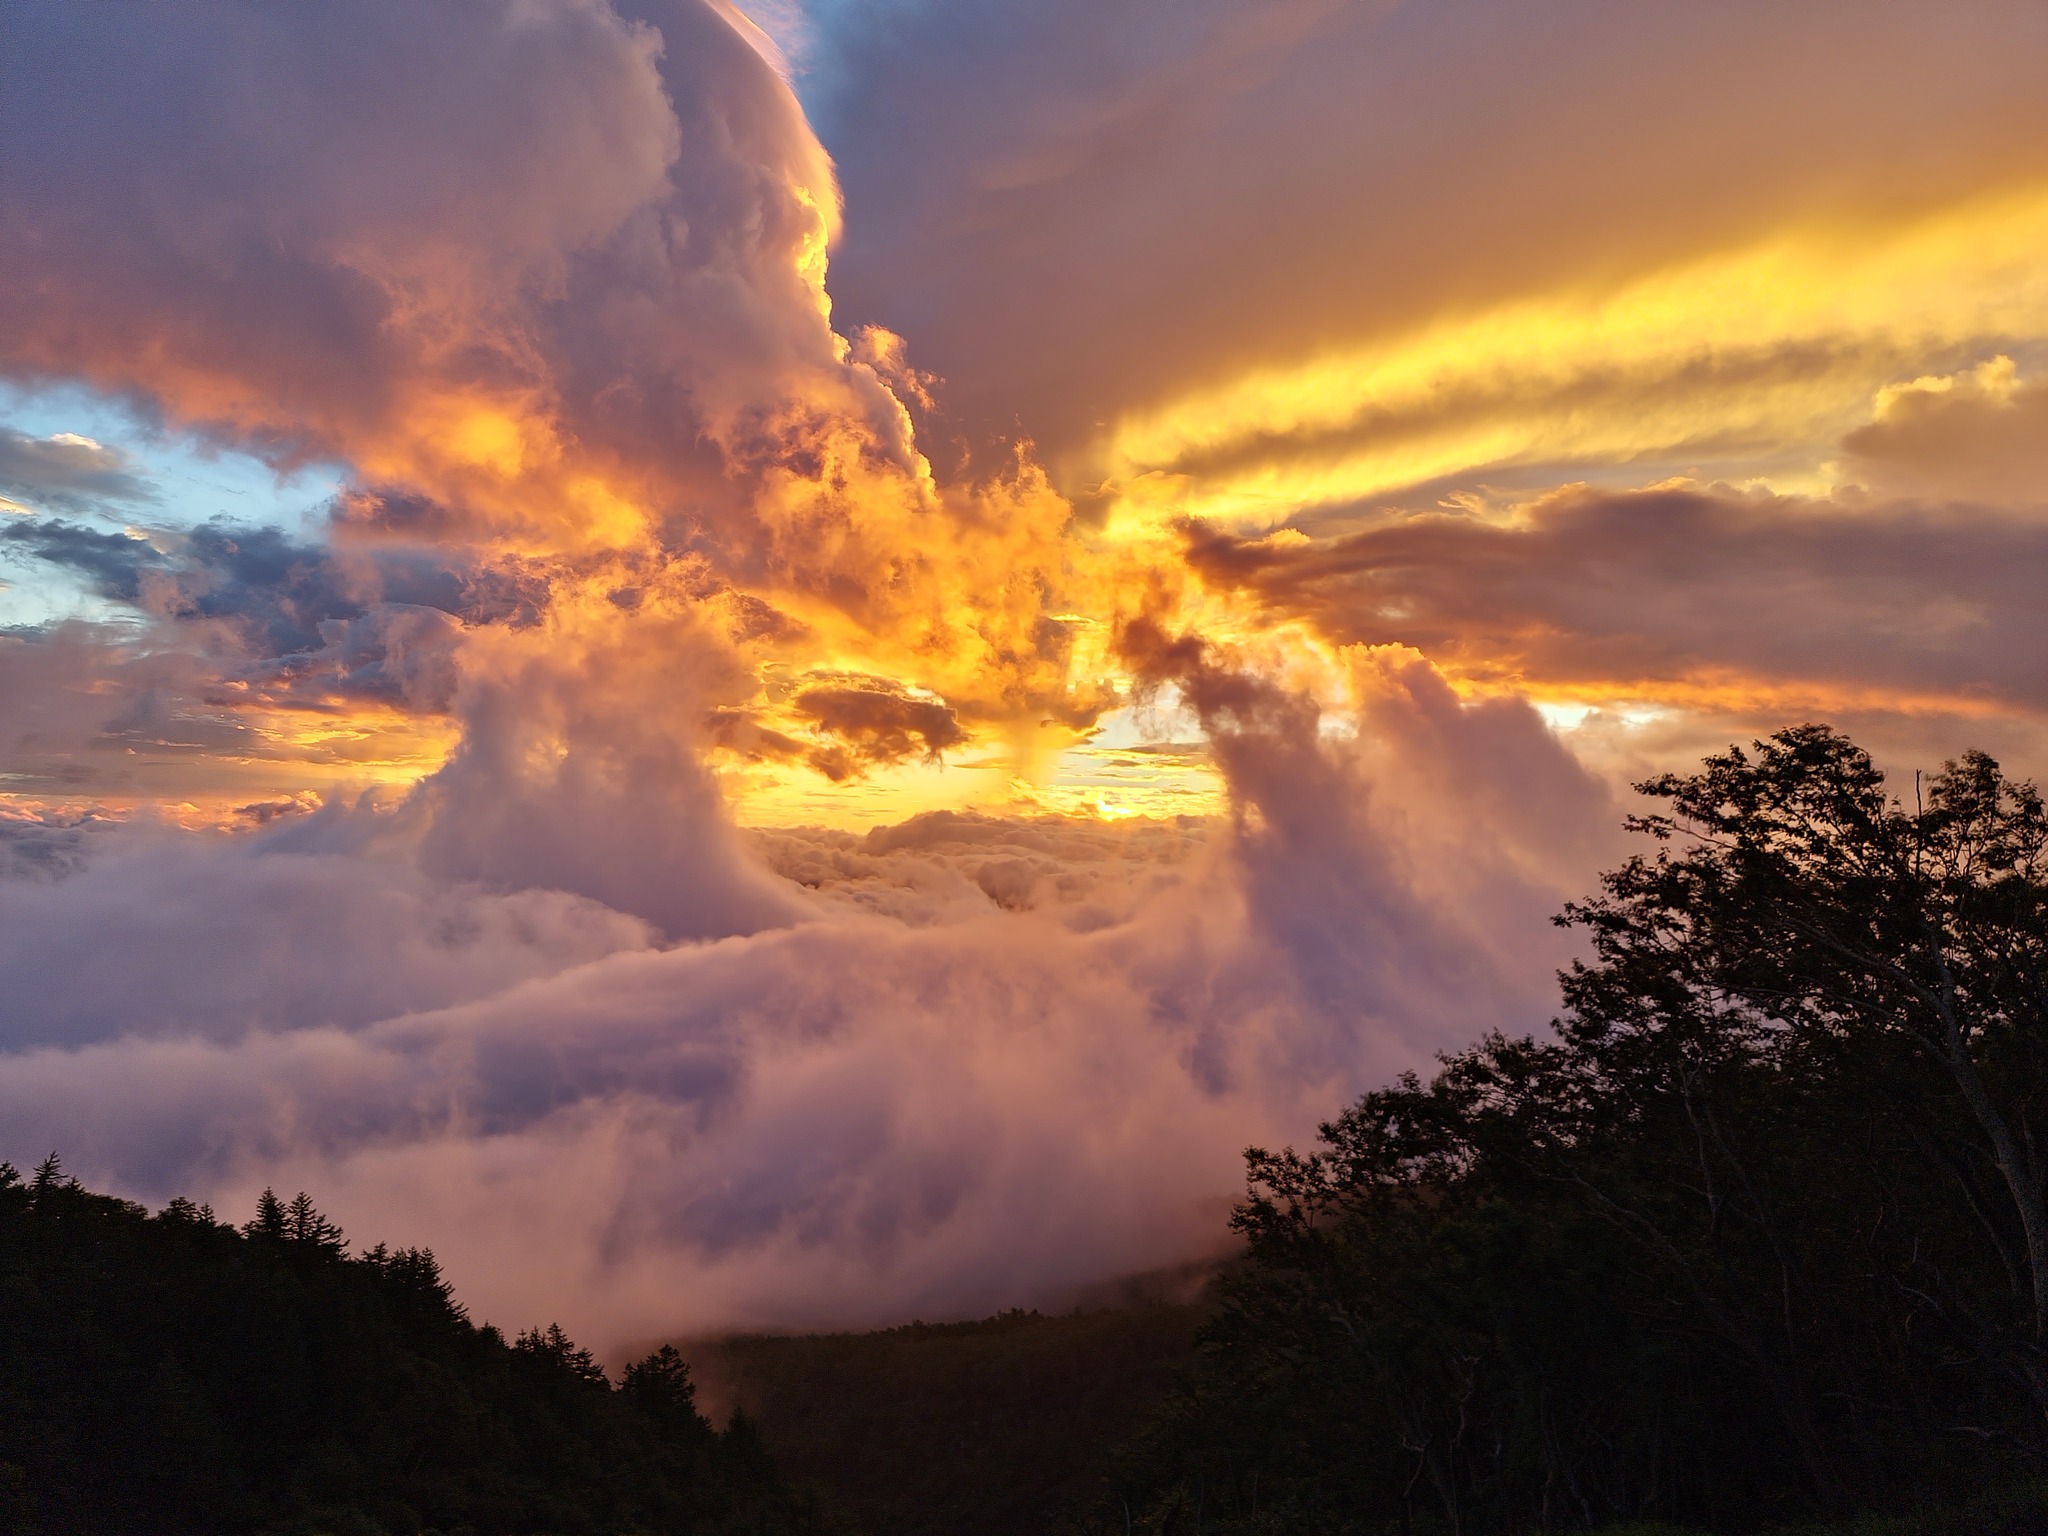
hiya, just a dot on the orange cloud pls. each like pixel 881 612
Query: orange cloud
pixel 1977 435
pixel 1687 595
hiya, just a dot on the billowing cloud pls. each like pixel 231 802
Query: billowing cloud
pixel 989 1059
pixel 546 275
pixel 1977 435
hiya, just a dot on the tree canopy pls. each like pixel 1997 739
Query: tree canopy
pixel 170 1374
pixel 1755 1234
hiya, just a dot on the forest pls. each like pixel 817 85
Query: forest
pixel 1753 1238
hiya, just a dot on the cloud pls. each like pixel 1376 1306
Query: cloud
pixel 987 1060
pixel 545 279
pixel 563 247
pixel 154 933
pixel 627 529
pixel 1099 224
pixel 579 769
pixel 42 846
pixel 875 721
pixel 273 590
pixel 66 472
pixel 112 562
pixel 1648 594
pixel 1976 435
pixel 239 630
pixel 942 866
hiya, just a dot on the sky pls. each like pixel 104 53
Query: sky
pixel 791 663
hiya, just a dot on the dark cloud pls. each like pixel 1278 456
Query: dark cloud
pixel 112 563
pixel 876 721
pixel 67 473
pixel 281 594
pixel 1707 587
pixel 379 622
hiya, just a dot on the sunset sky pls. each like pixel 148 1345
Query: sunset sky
pixel 791 663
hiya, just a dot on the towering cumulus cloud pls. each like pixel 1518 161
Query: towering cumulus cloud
pixel 399 859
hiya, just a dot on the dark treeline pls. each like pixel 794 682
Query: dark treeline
pixel 170 1374
pixel 1757 1236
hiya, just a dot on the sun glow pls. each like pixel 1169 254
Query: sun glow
pixel 1768 352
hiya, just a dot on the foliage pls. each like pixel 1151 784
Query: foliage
pixel 1757 1236
pixel 171 1374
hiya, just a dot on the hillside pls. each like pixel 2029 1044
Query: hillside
pixel 994 1426
pixel 171 1374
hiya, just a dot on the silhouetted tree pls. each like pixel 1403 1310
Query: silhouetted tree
pixel 49 1177
pixel 171 1374
pixel 661 1384
pixel 1756 1234
pixel 269 1220
pixel 556 1347
pixel 303 1223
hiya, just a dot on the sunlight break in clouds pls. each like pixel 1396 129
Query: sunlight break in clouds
pixel 704 829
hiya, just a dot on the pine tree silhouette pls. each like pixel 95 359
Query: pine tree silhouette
pixel 303 1223
pixel 269 1220
pixel 49 1175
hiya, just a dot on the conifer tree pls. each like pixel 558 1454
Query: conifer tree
pixel 661 1386
pixel 552 1344
pixel 303 1223
pixel 49 1176
pixel 269 1220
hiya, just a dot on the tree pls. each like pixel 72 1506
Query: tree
pixel 269 1220
pixel 303 1223
pixel 553 1345
pixel 660 1387
pixel 173 1375
pixel 1753 1235
pixel 662 1380
pixel 188 1212
pixel 49 1177
pixel 1801 905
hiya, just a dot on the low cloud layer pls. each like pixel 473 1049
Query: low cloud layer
pixel 961 1062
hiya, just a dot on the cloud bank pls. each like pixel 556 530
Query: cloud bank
pixel 970 1060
